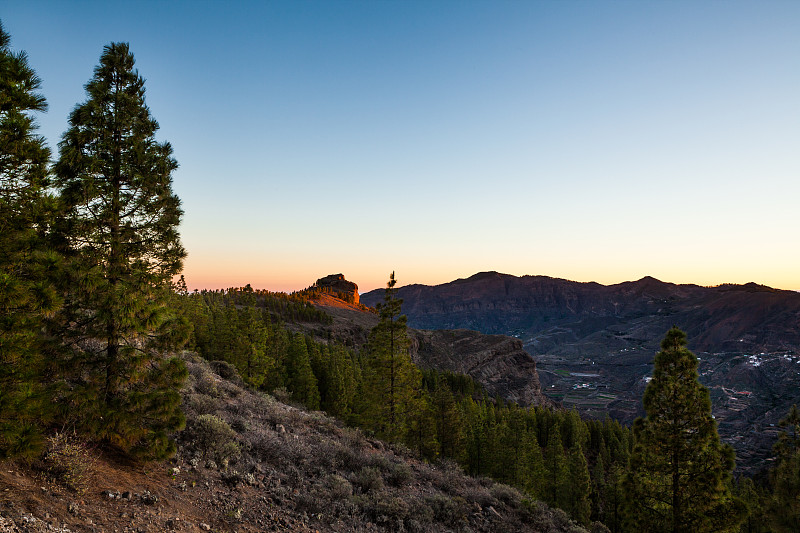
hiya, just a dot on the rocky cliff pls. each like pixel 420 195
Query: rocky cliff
pixel 336 284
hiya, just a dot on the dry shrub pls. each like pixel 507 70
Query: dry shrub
pixel 447 510
pixel 282 394
pixel 477 493
pixel 368 479
pixel 225 370
pixel 250 405
pixel 398 474
pixel 338 487
pixel 508 495
pixel 214 438
pixel 550 520
pixel 279 449
pixel 207 384
pixel 202 404
pixel 70 461
pixel 386 508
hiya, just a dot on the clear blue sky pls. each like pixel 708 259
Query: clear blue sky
pixel 598 141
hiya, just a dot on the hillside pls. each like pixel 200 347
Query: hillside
pixel 247 462
pixel 498 362
pixel 594 344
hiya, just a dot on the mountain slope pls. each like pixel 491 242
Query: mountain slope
pixel 247 462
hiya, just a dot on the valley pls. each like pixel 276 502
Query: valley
pixel 593 345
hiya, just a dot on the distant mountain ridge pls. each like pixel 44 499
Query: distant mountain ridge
pixel 594 344
pixel 556 315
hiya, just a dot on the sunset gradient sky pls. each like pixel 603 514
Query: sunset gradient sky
pixel 593 141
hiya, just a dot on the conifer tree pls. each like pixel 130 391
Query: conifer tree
pixel 557 470
pixel 678 469
pixel 340 386
pixel 578 489
pixel 393 382
pixel 25 293
pixel 533 466
pixel 784 506
pixel 301 379
pixel 120 233
pixel 449 428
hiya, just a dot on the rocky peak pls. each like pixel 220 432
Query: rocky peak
pixel 337 284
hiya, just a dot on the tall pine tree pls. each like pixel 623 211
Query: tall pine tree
pixel 393 382
pixel 26 296
pixel 120 231
pixel 679 471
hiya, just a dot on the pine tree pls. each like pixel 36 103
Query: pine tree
pixel 557 470
pixel 533 478
pixel 301 379
pixel 120 233
pixel 678 469
pixel 784 506
pixel 26 295
pixel 449 427
pixel 393 382
pixel 578 489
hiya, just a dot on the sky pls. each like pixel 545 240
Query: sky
pixel 593 141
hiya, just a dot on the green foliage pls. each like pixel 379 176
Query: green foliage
pixel 302 382
pixel 393 383
pixel 679 471
pixel 784 505
pixel 119 231
pixel 26 266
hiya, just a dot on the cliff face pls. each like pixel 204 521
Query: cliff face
pixel 337 284
pixel 497 362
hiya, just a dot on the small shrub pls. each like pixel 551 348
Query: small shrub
pixel 282 394
pixel 202 404
pixel 70 461
pixel 504 493
pixel 422 514
pixel 215 438
pixel 225 370
pixel 239 424
pixel 447 510
pixel 386 508
pixel 338 487
pixel 398 474
pixel 369 479
pixel 207 384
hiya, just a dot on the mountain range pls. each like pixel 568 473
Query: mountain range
pixel 594 344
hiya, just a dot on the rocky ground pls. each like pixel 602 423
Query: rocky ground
pixel 247 462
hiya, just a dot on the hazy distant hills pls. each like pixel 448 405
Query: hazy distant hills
pixel 558 316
